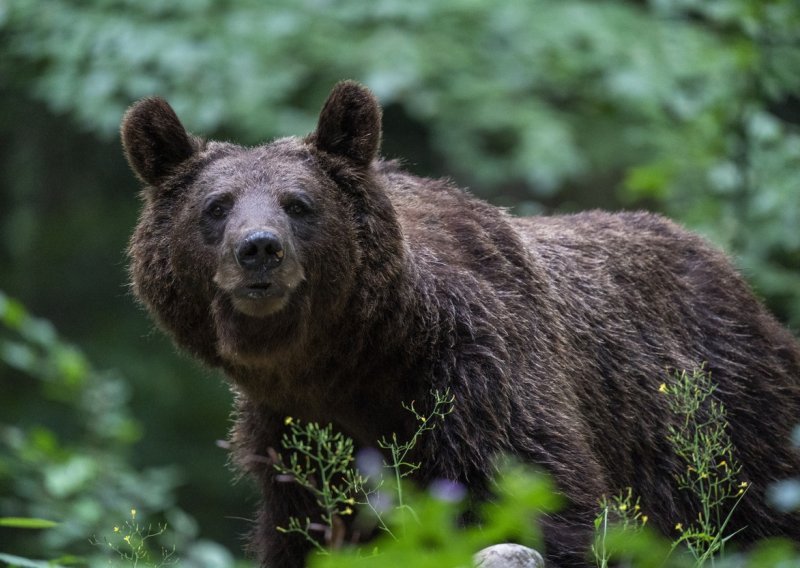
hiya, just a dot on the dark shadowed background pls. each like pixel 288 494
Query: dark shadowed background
pixel 687 107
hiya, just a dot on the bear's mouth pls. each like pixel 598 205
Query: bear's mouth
pixel 259 299
pixel 256 291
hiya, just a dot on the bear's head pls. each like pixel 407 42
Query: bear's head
pixel 242 252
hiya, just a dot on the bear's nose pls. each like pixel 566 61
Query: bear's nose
pixel 259 250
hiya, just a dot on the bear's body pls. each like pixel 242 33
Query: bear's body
pixel 333 287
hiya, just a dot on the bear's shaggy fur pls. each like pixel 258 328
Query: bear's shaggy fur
pixel 332 286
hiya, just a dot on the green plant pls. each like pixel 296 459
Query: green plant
pixel 131 541
pixel 321 461
pixel 701 440
pixel 624 512
pixel 398 464
pixel 423 528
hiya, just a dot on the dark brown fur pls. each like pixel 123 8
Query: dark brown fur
pixel 552 333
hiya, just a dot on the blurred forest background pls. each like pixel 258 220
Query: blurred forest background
pixel 686 107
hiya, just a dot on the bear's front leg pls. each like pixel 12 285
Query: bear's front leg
pixel 282 500
pixel 256 442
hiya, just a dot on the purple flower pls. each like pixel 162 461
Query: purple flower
pixel 369 462
pixel 446 490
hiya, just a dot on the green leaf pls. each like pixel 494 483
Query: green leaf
pixel 12 312
pixel 26 523
pixel 649 181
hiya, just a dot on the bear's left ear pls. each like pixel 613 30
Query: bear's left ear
pixel 349 124
pixel 155 141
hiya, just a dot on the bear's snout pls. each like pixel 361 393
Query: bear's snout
pixel 259 250
pixel 258 269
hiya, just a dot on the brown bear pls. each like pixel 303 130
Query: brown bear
pixel 332 286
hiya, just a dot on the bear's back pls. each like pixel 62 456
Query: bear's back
pixel 636 297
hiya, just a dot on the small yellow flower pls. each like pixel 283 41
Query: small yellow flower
pixel 347 511
pixel 133 513
pixel 288 420
pixel 116 529
pixel 743 484
pixel 679 527
pixel 623 507
pixel 644 520
pixel 723 463
pixel 636 507
pixel 662 387
pixel 351 501
pixel 127 539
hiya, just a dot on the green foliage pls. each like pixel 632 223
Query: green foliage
pixel 428 533
pixel 700 440
pixel 321 461
pixel 621 513
pixel 131 542
pixel 72 481
pixel 399 464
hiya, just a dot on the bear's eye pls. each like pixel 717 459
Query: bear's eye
pixel 297 207
pixel 217 210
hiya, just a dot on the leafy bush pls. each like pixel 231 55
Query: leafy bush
pixel 65 475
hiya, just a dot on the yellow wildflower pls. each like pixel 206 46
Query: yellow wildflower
pixel 133 513
pixel 116 529
pixel 644 520
pixel 288 420
pixel 347 511
pixel 662 387
pixel 623 507
pixel 679 527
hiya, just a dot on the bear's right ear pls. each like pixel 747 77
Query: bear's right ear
pixel 154 140
pixel 349 124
